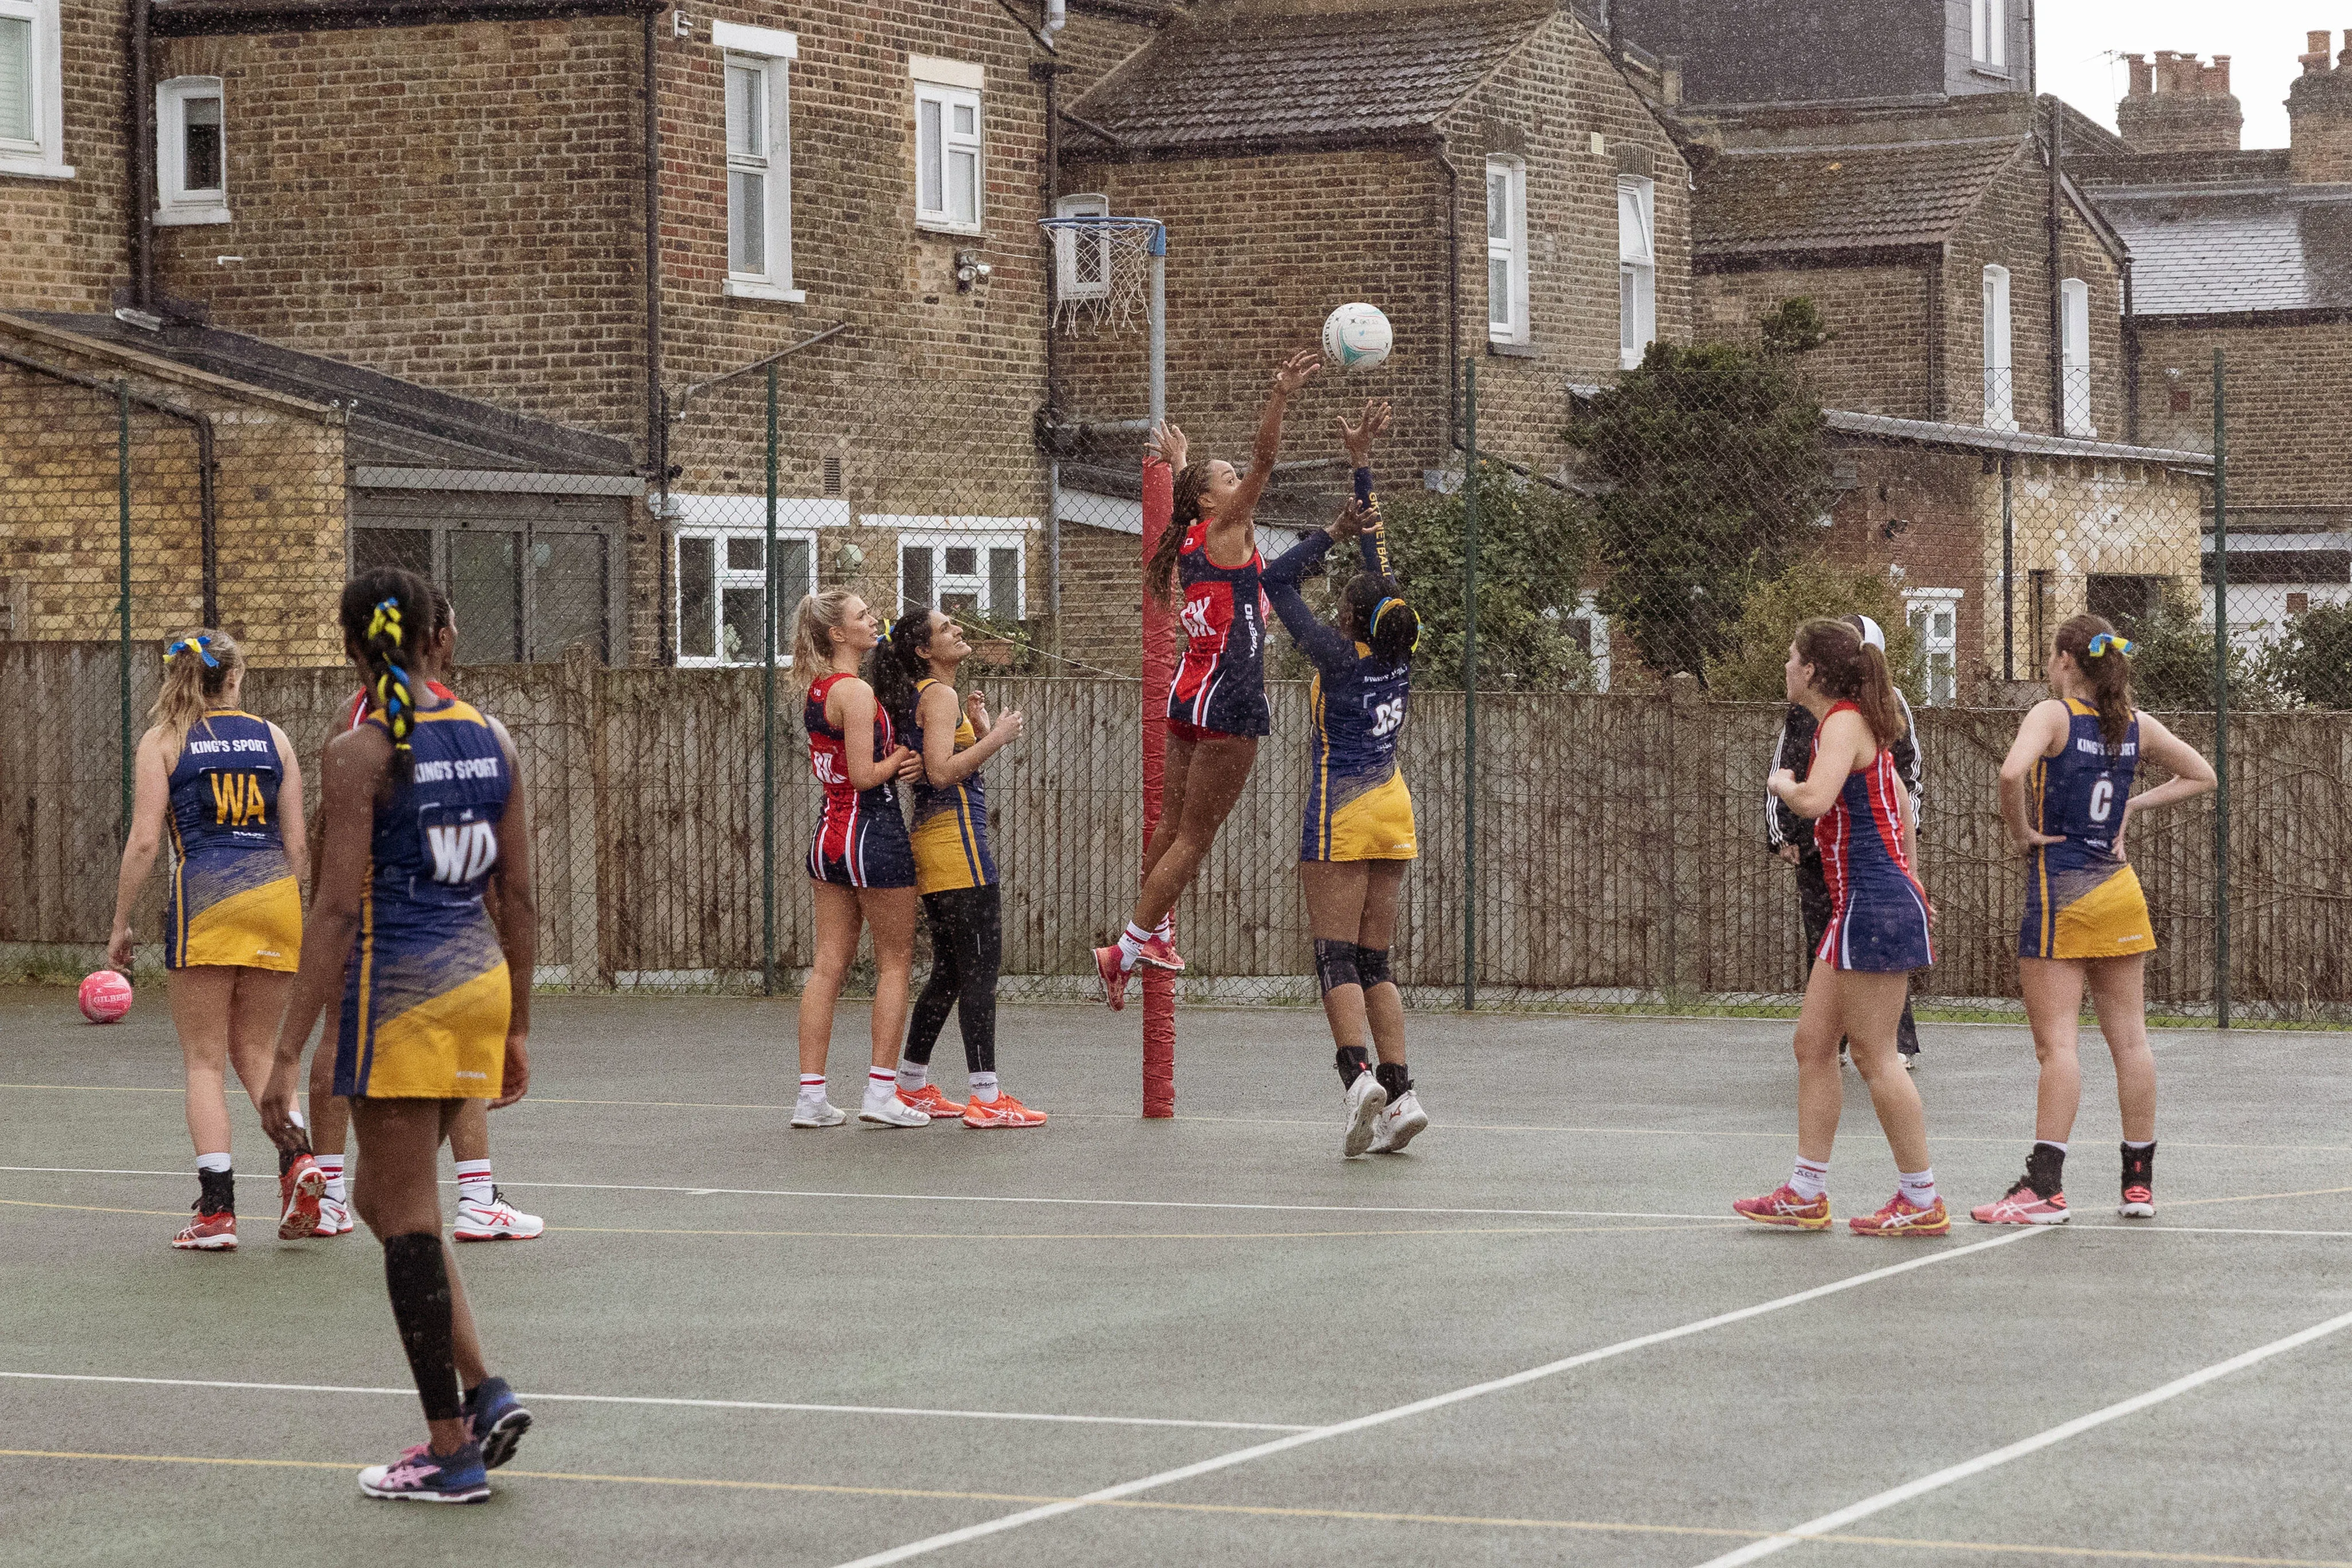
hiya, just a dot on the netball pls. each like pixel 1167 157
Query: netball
pixel 105 997
pixel 1357 337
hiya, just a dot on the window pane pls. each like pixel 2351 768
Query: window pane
pixel 744 552
pixel 747 111
pixel 15 78
pixel 747 221
pixel 913 577
pixel 1498 206
pixel 200 145
pixel 795 580
pixel 486 592
pixel 963 186
pixel 967 119
pixel 698 606
pixel 410 549
pixel 964 606
pixel 1005 583
pixel 1629 315
pixel 1498 292
pixel 930 177
pixel 738 625
pixel 963 560
pixel 1632 225
pixel 567 595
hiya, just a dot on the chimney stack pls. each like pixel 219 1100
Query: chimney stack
pixel 2179 105
pixel 2319 115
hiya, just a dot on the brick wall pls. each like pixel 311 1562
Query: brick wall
pixel 1875 361
pixel 2289 408
pixel 63 243
pixel 1102 601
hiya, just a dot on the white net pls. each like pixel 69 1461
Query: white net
pixel 1102 270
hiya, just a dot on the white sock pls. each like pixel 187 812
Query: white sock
pixel 912 1075
pixel 295 1114
pixel 2129 1144
pixel 332 1167
pixel 1166 930
pixel 474 1184
pixel 982 1085
pixel 881 1085
pixel 1810 1179
pixel 212 1163
pixel 1919 1187
pixel 1130 944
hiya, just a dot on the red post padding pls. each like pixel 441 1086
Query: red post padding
pixel 1158 674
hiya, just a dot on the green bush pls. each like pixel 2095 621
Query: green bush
pixel 1756 651
pixel 2311 664
pixel 2172 662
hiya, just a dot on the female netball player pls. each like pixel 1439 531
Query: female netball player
pixel 2066 795
pixel 226 787
pixel 1358 834
pixel 423 809
pixel 483 1212
pixel 1878 933
pixel 955 872
pixel 1217 708
pixel 861 868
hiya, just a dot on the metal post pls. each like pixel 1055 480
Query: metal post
pixel 1469 687
pixel 2008 579
pixel 1159 319
pixel 768 725
pixel 122 577
pixel 2221 699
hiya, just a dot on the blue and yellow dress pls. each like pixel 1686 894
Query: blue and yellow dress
pixel 951 834
pixel 2082 899
pixel 425 995
pixel 234 899
pixel 1358 808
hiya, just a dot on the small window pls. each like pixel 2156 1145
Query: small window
pixel 1988 33
pixel 1999 410
pixel 1935 618
pixel 971 567
pixel 2125 602
pixel 2075 312
pixel 1506 250
pixel 1637 269
pixel 1081 261
pixel 191 159
pixel 722 588
pixel 32 86
pixel 948 165
pixel 756 68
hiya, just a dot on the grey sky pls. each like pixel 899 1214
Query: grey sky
pixel 2262 38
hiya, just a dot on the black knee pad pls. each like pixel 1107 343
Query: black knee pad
pixel 1334 963
pixel 1372 966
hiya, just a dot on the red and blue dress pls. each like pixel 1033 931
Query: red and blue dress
pixel 861 837
pixel 1220 686
pixel 1880 920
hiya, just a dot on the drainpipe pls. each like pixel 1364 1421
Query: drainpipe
pixel 142 161
pixel 2131 362
pixel 2057 305
pixel 1452 298
pixel 1048 75
pixel 656 426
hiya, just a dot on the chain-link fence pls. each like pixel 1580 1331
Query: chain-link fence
pixel 1598 693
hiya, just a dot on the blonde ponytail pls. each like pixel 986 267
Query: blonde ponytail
pixel 197 668
pixel 820 614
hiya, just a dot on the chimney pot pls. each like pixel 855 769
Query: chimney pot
pixel 2314 58
pixel 2217 80
pixel 2141 85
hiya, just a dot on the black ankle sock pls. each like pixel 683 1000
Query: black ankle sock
pixel 2139 1165
pixel 286 1157
pixel 1354 1062
pixel 2045 1170
pixel 1394 1079
pixel 417 1273
pixel 215 1192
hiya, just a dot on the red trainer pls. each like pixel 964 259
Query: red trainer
pixel 1901 1216
pixel 1002 1112
pixel 208 1233
pixel 2022 1206
pixel 2139 1202
pixel 1160 954
pixel 931 1102
pixel 1112 977
pixel 300 1187
pixel 1782 1206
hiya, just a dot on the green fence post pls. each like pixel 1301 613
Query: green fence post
pixel 2221 698
pixel 1470 687
pixel 122 576
pixel 768 724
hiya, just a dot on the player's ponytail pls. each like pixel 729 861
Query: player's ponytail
pixel 1159 571
pixel 900 659
pixel 387 615
pixel 1848 669
pixel 1379 618
pixel 813 624
pixel 197 668
pixel 2104 659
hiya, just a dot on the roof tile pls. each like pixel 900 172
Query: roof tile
pixel 1841 198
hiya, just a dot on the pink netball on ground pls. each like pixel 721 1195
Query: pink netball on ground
pixel 105 997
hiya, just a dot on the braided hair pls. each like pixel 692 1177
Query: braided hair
pixel 899 661
pixel 387 615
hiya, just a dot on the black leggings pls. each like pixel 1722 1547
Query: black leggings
pixel 967 951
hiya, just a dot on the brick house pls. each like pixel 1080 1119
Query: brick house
pixel 2247 252
pixel 1460 146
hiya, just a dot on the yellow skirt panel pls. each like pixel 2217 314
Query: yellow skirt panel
pixel 946 854
pixel 451 1047
pixel 2109 921
pixel 1376 826
pixel 260 928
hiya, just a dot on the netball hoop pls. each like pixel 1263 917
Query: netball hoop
pixel 1107 271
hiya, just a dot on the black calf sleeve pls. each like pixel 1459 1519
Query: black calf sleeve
pixel 217 1192
pixel 1394 1079
pixel 1355 1062
pixel 417 1273
pixel 1372 965
pixel 967 953
pixel 1335 965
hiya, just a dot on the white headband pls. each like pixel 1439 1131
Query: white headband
pixel 1871 632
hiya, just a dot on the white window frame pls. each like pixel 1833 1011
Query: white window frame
pixel 940 534
pixel 721 518
pixel 1588 610
pixel 950 85
pixel 772 51
pixel 1511 247
pixel 2074 354
pixel 1989 35
pixel 42 155
pixel 175 202
pixel 1999 369
pixel 1067 247
pixel 1637 269
pixel 1919 608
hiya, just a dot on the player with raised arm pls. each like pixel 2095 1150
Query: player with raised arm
pixel 225 786
pixel 1878 933
pixel 2067 797
pixel 1207 566
pixel 1357 837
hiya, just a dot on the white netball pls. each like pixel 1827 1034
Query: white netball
pixel 1357 337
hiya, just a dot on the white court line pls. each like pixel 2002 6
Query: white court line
pixel 689 1404
pixel 1828 1522
pixel 1435 1402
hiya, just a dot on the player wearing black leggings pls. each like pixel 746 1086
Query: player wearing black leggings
pixel 954 871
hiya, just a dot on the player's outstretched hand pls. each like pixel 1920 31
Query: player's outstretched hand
pixel 516 1082
pixel 1352 521
pixel 1166 443
pixel 1357 439
pixel 1297 370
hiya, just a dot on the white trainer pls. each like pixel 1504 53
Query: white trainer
pixel 1400 1124
pixel 893 1112
pixel 334 1217
pixel 824 1113
pixel 496 1220
pixel 1366 1100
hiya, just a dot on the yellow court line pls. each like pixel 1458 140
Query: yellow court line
pixel 89 1208
pixel 1591 1525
